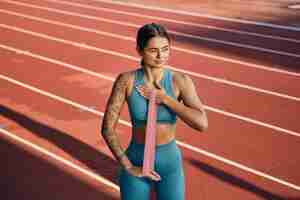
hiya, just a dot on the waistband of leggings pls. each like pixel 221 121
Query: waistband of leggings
pixel 157 147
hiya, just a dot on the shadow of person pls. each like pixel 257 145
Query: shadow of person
pixel 238 182
pixel 260 50
pixel 26 176
pixel 96 161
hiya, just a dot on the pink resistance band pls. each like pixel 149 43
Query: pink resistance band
pixel 149 152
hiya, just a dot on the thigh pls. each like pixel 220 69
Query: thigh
pixel 132 187
pixel 169 166
pixel 171 187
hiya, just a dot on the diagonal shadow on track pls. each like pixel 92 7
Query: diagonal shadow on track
pixel 25 176
pixel 252 56
pixel 267 12
pixel 238 182
pixel 95 160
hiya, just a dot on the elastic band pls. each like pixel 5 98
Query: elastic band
pixel 149 152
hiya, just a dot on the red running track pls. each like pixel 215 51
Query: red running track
pixel 252 137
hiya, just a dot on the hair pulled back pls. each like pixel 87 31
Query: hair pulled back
pixel 148 31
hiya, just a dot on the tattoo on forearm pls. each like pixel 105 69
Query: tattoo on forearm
pixel 114 145
pixel 112 113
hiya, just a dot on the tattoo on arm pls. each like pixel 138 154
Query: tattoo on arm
pixel 112 113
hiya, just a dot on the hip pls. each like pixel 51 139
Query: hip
pixel 167 156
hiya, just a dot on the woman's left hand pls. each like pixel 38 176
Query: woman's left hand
pixel 145 91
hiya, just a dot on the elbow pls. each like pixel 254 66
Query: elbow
pixel 105 131
pixel 105 134
pixel 202 125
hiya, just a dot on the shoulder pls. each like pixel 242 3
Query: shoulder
pixel 124 76
pixel 180 83
pixel 181 79
pixel 125 80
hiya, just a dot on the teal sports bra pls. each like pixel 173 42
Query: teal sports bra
pixel 138 105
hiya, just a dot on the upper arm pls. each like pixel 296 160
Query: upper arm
pixel 115 102
pixel 188 93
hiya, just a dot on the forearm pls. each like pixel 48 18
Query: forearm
pixel 111 116
pixel 114 145
pixel 195 118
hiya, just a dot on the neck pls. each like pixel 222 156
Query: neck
pixel 153 74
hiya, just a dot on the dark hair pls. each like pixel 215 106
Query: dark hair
pixel 148 31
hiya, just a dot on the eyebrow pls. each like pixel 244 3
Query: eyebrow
pixel 158 48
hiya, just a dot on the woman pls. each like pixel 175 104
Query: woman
pixel 175 96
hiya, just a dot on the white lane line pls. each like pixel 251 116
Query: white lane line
pixel 175 21
pixel 3 126
pixel 239 166
pixel 261 67
pixel 282 53
pixel 228 114
pixel 295 6
pixel 85 46
pixel 264 24
pixel 57 158
pixel 187 146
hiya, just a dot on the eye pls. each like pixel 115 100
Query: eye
pixel 165 49
pixel 152 50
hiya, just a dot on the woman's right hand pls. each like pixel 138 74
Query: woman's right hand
pixel 138 172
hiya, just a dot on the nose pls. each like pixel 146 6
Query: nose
pixel 159 52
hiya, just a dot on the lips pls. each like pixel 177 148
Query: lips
pixel 159 61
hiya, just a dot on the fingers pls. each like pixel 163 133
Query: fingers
pixel 138 172
pixel 156 175
pixel 143 91
pixel 153 176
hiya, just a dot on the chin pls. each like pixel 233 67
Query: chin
pixel 154 66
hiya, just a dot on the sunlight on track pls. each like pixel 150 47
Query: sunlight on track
pixel 174 21
pixel 82 45
pixel 253 65
pixel 189 147
pixel 256 122
pixel 60 159
pixel 264 24
pixel 235 44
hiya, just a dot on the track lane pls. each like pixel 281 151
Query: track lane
pixel 263 28
pixel 197 165
pixel 16 178
pixel 205 87
pixel 92 97
pixel 277 61
pixel 221 36
pixel 210 67
pixel 170 20
pixel 34 113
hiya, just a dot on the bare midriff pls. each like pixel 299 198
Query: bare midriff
pixel 165 133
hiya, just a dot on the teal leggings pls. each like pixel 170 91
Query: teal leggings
pixel 168 164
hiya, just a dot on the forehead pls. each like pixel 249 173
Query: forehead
pixel 157 42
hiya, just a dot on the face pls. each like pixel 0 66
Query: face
pixel 157 51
